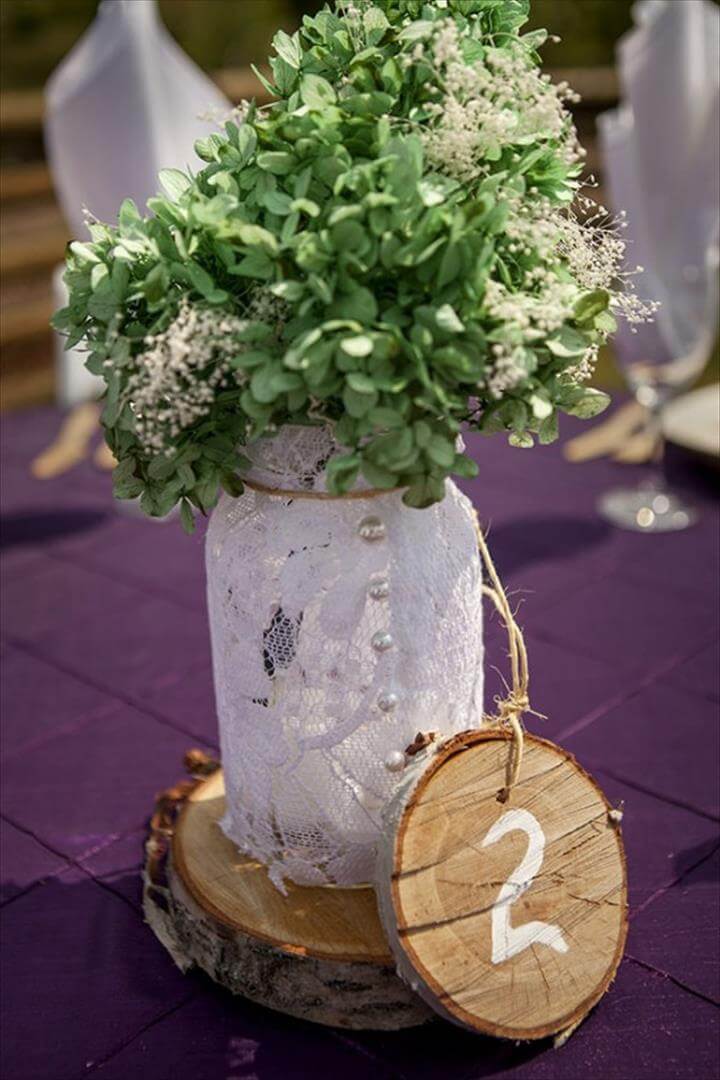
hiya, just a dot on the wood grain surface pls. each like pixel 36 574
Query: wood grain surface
pixel 496 944
pixel 317 953
pixel 334 923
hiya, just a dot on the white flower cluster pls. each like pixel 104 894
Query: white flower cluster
pixel 507 372
pixel 545 306
pixel 585 369
pixel 488 105
pixel 176 378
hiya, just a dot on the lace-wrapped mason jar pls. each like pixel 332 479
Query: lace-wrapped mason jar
pixel 340 628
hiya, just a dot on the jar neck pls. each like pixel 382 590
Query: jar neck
pixel 294 458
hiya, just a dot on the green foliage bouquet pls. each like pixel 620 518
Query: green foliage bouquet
pixel 396 247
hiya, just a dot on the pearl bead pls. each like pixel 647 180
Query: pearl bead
pixel 382 641
pixel 379 590
pixel 395 761
pixel 387 701
pixel 371 528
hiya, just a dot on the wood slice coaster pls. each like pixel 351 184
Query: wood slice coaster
pixel 317 953
pixel 509 917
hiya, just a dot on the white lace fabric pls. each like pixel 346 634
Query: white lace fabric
pixel 340 628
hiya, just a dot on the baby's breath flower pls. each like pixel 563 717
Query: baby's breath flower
pixel 175 379
pixel 487 105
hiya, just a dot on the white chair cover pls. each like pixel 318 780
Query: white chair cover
pixel 124 103
pixel 660 151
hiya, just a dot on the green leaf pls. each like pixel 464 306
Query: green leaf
pixel 262 386
pixel 378 477
pixel 341 473
pixel 568 343
pixel 383 417
pixel 84 252
pixel 156 284
pixel 360 305
pixel 246 142
pixel 450 265
pixel 521 439
pixel 112 400
pixel 232 484
pixel 316 92
pixel 375 103
pixel 128 217
pixel 420 30
pixel 585 402
pixel 447 319
pixel 187 517
pixel 362 384
pixel 288 48
pixel 425 491
pixel 62 319
pixel 256 264
pixel 441 451
pixel 251 358
pixel 254 234
pixel 606 322
pixel 104 302
pixel 591 304
pixel 306 206
pixel 277 162
pixel 540 406
pixel 465 466
pixel 262 80
pixel 350 236
pixel 201 280
pixel 375 23
pixel 548 430
pixel 358 405
pixel 361 345
pixel 288 290
pixel 277 202
pixel 207 492
pixel 174 182
pixel 394 451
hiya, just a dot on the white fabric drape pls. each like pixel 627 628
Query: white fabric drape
pixel 125 103
pixel 661 152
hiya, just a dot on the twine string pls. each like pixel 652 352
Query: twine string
pixel 509 709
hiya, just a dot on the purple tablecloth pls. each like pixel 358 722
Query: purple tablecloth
pixel 106 682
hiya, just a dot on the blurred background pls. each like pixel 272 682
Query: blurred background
pixel 106 670
pixel 223 38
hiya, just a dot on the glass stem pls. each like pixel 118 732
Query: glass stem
pixel 656 479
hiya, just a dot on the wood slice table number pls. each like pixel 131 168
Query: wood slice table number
pixel 507 917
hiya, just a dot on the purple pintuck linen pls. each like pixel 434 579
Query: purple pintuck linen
pixel 107 681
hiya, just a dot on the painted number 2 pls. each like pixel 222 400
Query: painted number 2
pixel 507 940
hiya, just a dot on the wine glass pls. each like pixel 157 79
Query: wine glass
pixel 657 372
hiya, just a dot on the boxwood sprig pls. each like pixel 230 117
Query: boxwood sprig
pixel 389 248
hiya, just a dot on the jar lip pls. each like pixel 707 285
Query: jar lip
pixel 294 457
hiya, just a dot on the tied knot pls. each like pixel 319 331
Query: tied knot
pixel 515 704
pixel 509 709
